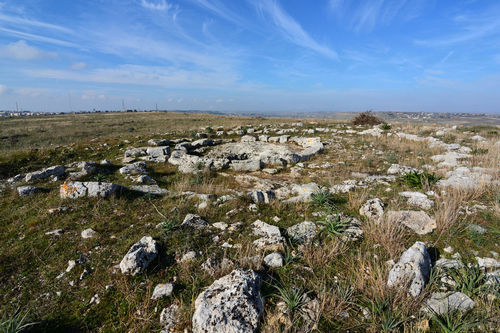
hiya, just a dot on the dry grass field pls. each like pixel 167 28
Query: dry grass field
pixel 331 283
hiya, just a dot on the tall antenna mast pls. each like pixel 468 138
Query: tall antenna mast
pixel 17 107
pixel 156 107
pixel 123 105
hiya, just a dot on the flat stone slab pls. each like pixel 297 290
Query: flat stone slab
pixel 418 221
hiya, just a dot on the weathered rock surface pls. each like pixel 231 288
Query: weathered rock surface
pixel 88 233
pixel 27 190
pixel 413 268
pixel 303 232
pixel 149 189
pixel 373 209
pixel 274 259
pixel 140 255
pixel 417 199
pixel 263 229
pixel 231 304
pixel 137 168
pixel 464 178
pixel 442 303
pixel 194 221
pixel 418 221
pixel 169 317
pixel 75 190
pixel 53 171
pixel 162 290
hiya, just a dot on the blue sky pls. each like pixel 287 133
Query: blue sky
pixel 251 55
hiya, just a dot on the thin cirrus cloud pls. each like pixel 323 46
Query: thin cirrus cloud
pixel 35 37
pixel 292 30
pixel 21 50
pixel 160 5
pixel 21 21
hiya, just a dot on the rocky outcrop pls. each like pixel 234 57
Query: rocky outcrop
pixel 232 303
pixel 417 199
pixel 412 270
pixel 303 232
pixel 73 190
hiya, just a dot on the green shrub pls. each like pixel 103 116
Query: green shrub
pixel 335 226
pixel 385 127
pixel 419 180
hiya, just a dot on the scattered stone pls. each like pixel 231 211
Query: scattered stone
pixel 488 263
pixel 58 209
pixel 162 290
pixel 137 168
pixel 303 232
pixel 443 303
pixel 418 221
pixel 27 190
pixel 259 197
pixel 149 189
pixel 88 233
pixel 140 255
pixel 54 171
pixel 396 169
pixel 231 304
pixel 190 255
pixel 95 299
pixel 194 221
pixel 418 199
pixel 274 260
pixel 169 317
pixel 57 232
pixel 464 178
pixel 263 229
pixel 414 267
pixel 373 209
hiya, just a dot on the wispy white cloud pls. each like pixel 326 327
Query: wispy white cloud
pixel 160 5
pixel 471 32
pixel 3 89
pixel 39 38
pixel 292 30
pixel 21 21
pixel 220 10
pixel 20 50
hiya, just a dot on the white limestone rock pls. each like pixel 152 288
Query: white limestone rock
pixel 232 303
pixel 373 209
pixel 139 256
pixel 413 267
pixel 162 290
pixel 418 221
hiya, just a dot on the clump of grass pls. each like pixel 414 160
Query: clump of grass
pixel 335 226
pixel 384 315
pixel 385 127
pixel 419 180
pixel 470 280
pixel 327 200
pixel 456 321
pixel 18 322
pixel 295 299
pixel 169 224
pixel 367 118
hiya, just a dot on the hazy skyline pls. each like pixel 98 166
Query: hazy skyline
pixel 251 55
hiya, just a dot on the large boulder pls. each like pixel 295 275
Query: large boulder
pixel 53 171
pixel 140 255
pixel 232 303
pixel 418 221
pixel 413 269
pixel 73 190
